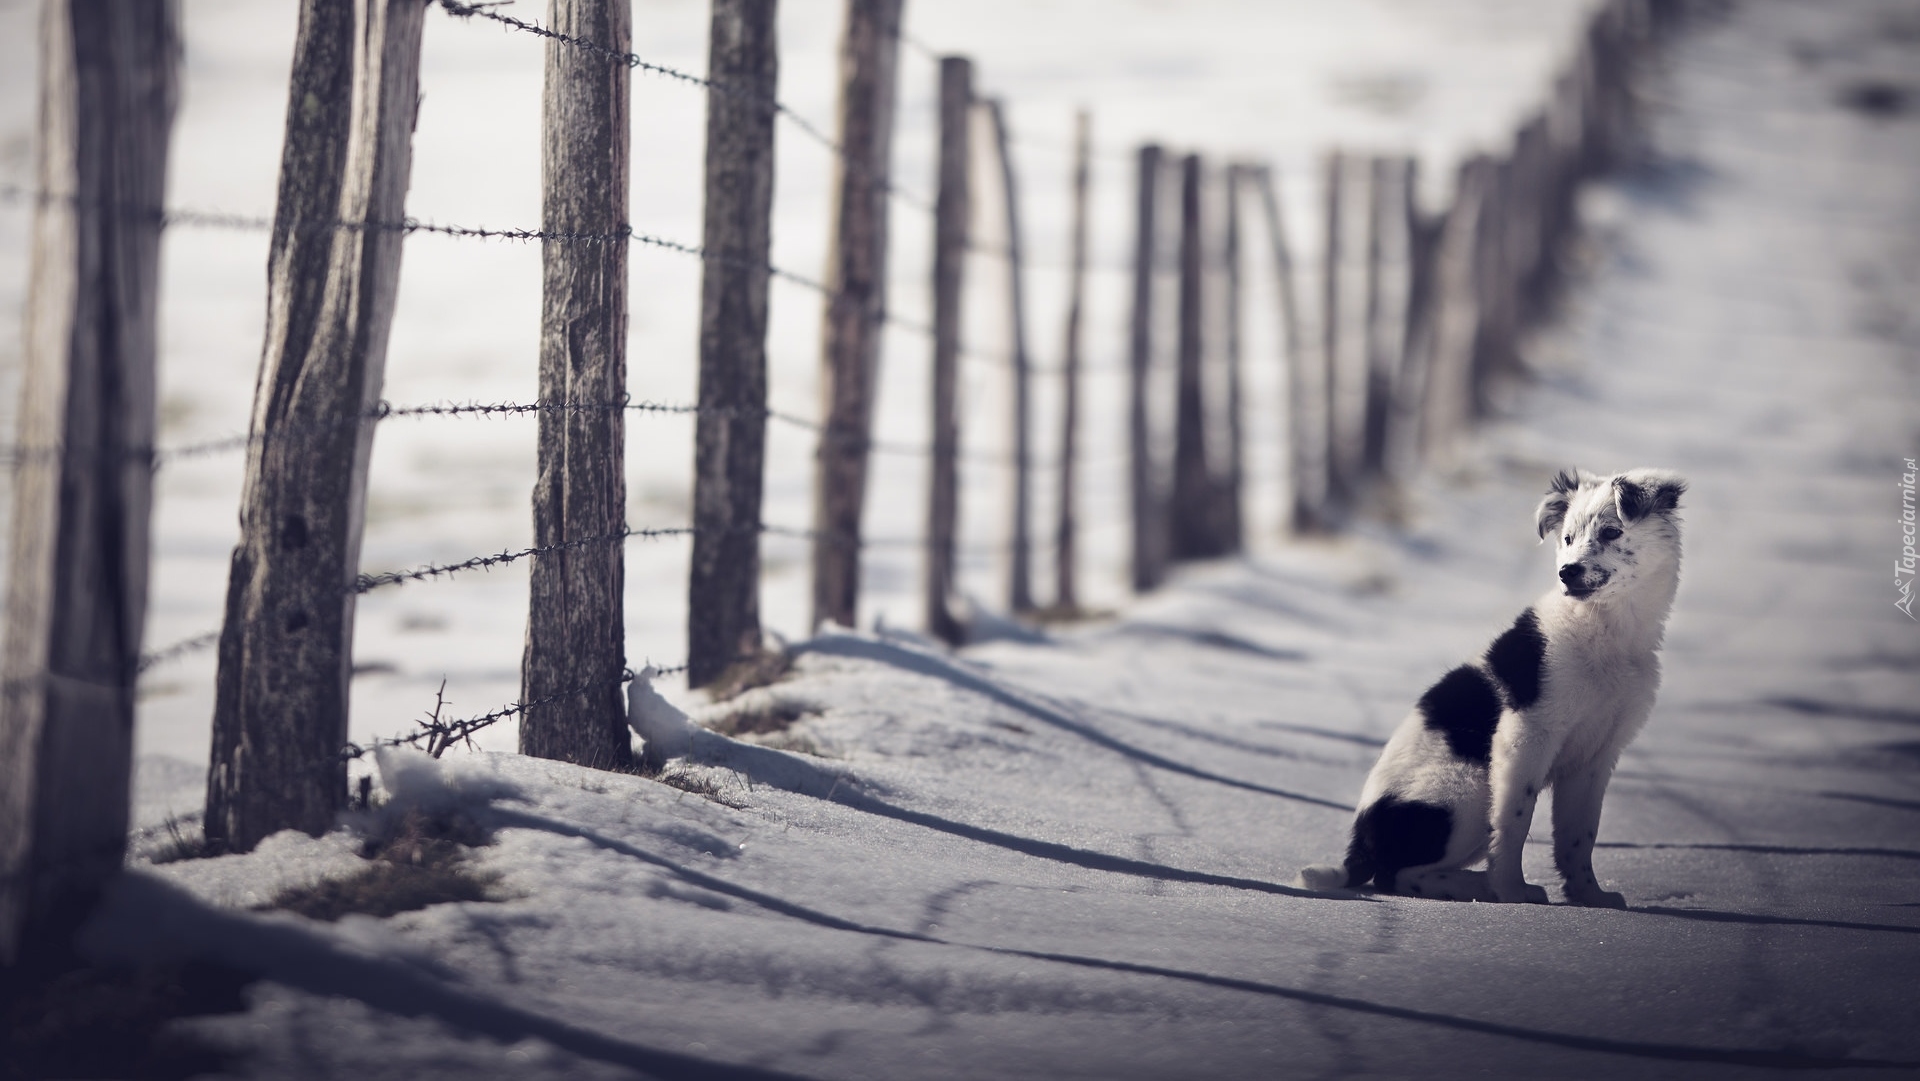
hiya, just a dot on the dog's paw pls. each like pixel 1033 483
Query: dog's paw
pixel 1598 899
pixel 1524 893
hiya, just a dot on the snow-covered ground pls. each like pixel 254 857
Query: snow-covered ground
pixel 1070 858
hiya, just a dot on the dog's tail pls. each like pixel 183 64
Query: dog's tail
pixel 1359 869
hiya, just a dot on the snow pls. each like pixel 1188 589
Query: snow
pixel 1070 857
pixel 664 729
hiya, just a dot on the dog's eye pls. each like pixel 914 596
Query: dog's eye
pixel 1568 539
pixel 1609 535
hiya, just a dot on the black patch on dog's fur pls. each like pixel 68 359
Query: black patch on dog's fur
pixel 1553 509
pixel 1394 834
pixel 1464 707
pixel 1636 502
pixel 1518 659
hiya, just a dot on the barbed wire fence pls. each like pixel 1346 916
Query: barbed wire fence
pixel 208 219
pixel 1469 262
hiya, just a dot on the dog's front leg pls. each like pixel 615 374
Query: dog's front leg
pixel 1521 757
pixel 1576 825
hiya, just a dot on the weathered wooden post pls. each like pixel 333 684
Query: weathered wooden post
pixel 1530 241
pixel 952 214
pixel 723 602
pixel 1343 352
pixel 1190 506
pixel 1333 263
pixel 1306 440
pixel 1383 346
pixel 1066 535
pixel 1449 404
pixel 1229 489
pixel 1020 552
pixel 280 706
pixel 856 303
pixel 1416 328
pixel 1149 527
pixel 576 626
pixel 1566 121
pixel 1602 55
pixel 1595 130
pixel 1495 354
pixel 77 587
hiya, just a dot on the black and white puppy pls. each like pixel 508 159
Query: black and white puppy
pixel 1551 704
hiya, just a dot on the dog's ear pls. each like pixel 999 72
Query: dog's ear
pixel 1553 509
pixel 1641 492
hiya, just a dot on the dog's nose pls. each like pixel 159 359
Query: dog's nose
pixel 1572 573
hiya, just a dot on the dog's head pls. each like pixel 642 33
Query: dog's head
pixel 1611 530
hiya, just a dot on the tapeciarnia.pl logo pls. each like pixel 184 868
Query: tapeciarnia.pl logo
pixel 1903 568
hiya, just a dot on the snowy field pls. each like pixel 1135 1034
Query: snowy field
pixel 1071 857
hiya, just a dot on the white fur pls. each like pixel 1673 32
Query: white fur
pixel 1600 672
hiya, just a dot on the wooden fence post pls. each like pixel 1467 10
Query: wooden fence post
pixel 1448 404
pixel 1020 569
pixel 1331 262
pixel 1190 507
pixel 1602 53
pixel 952 214
pixel 576 626
pixel 1495 353
pixel 77 590
pixel 1306 442
pixel 1532 238
pixel 856 303
pixel 1416 329
pixel 1378 365
pixel 723 593
pixel 1149 527
pixel 1230 489
pixel 1066 537
pixel 280 707
pixel 1344 353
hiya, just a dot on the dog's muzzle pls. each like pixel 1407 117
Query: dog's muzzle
pixel 1579 581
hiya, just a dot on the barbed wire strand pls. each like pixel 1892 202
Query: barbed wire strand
pixel 367 583
pixel 159 456
pixel 408 226
pixel 441 735
pixel 178 649
pixel 633 60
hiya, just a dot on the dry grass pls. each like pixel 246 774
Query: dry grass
pixel 424 860
pixel 696 784
pixel 763 669
pixel 183 844
pixel 1057 615
pixel 763 718
pixel 769 722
